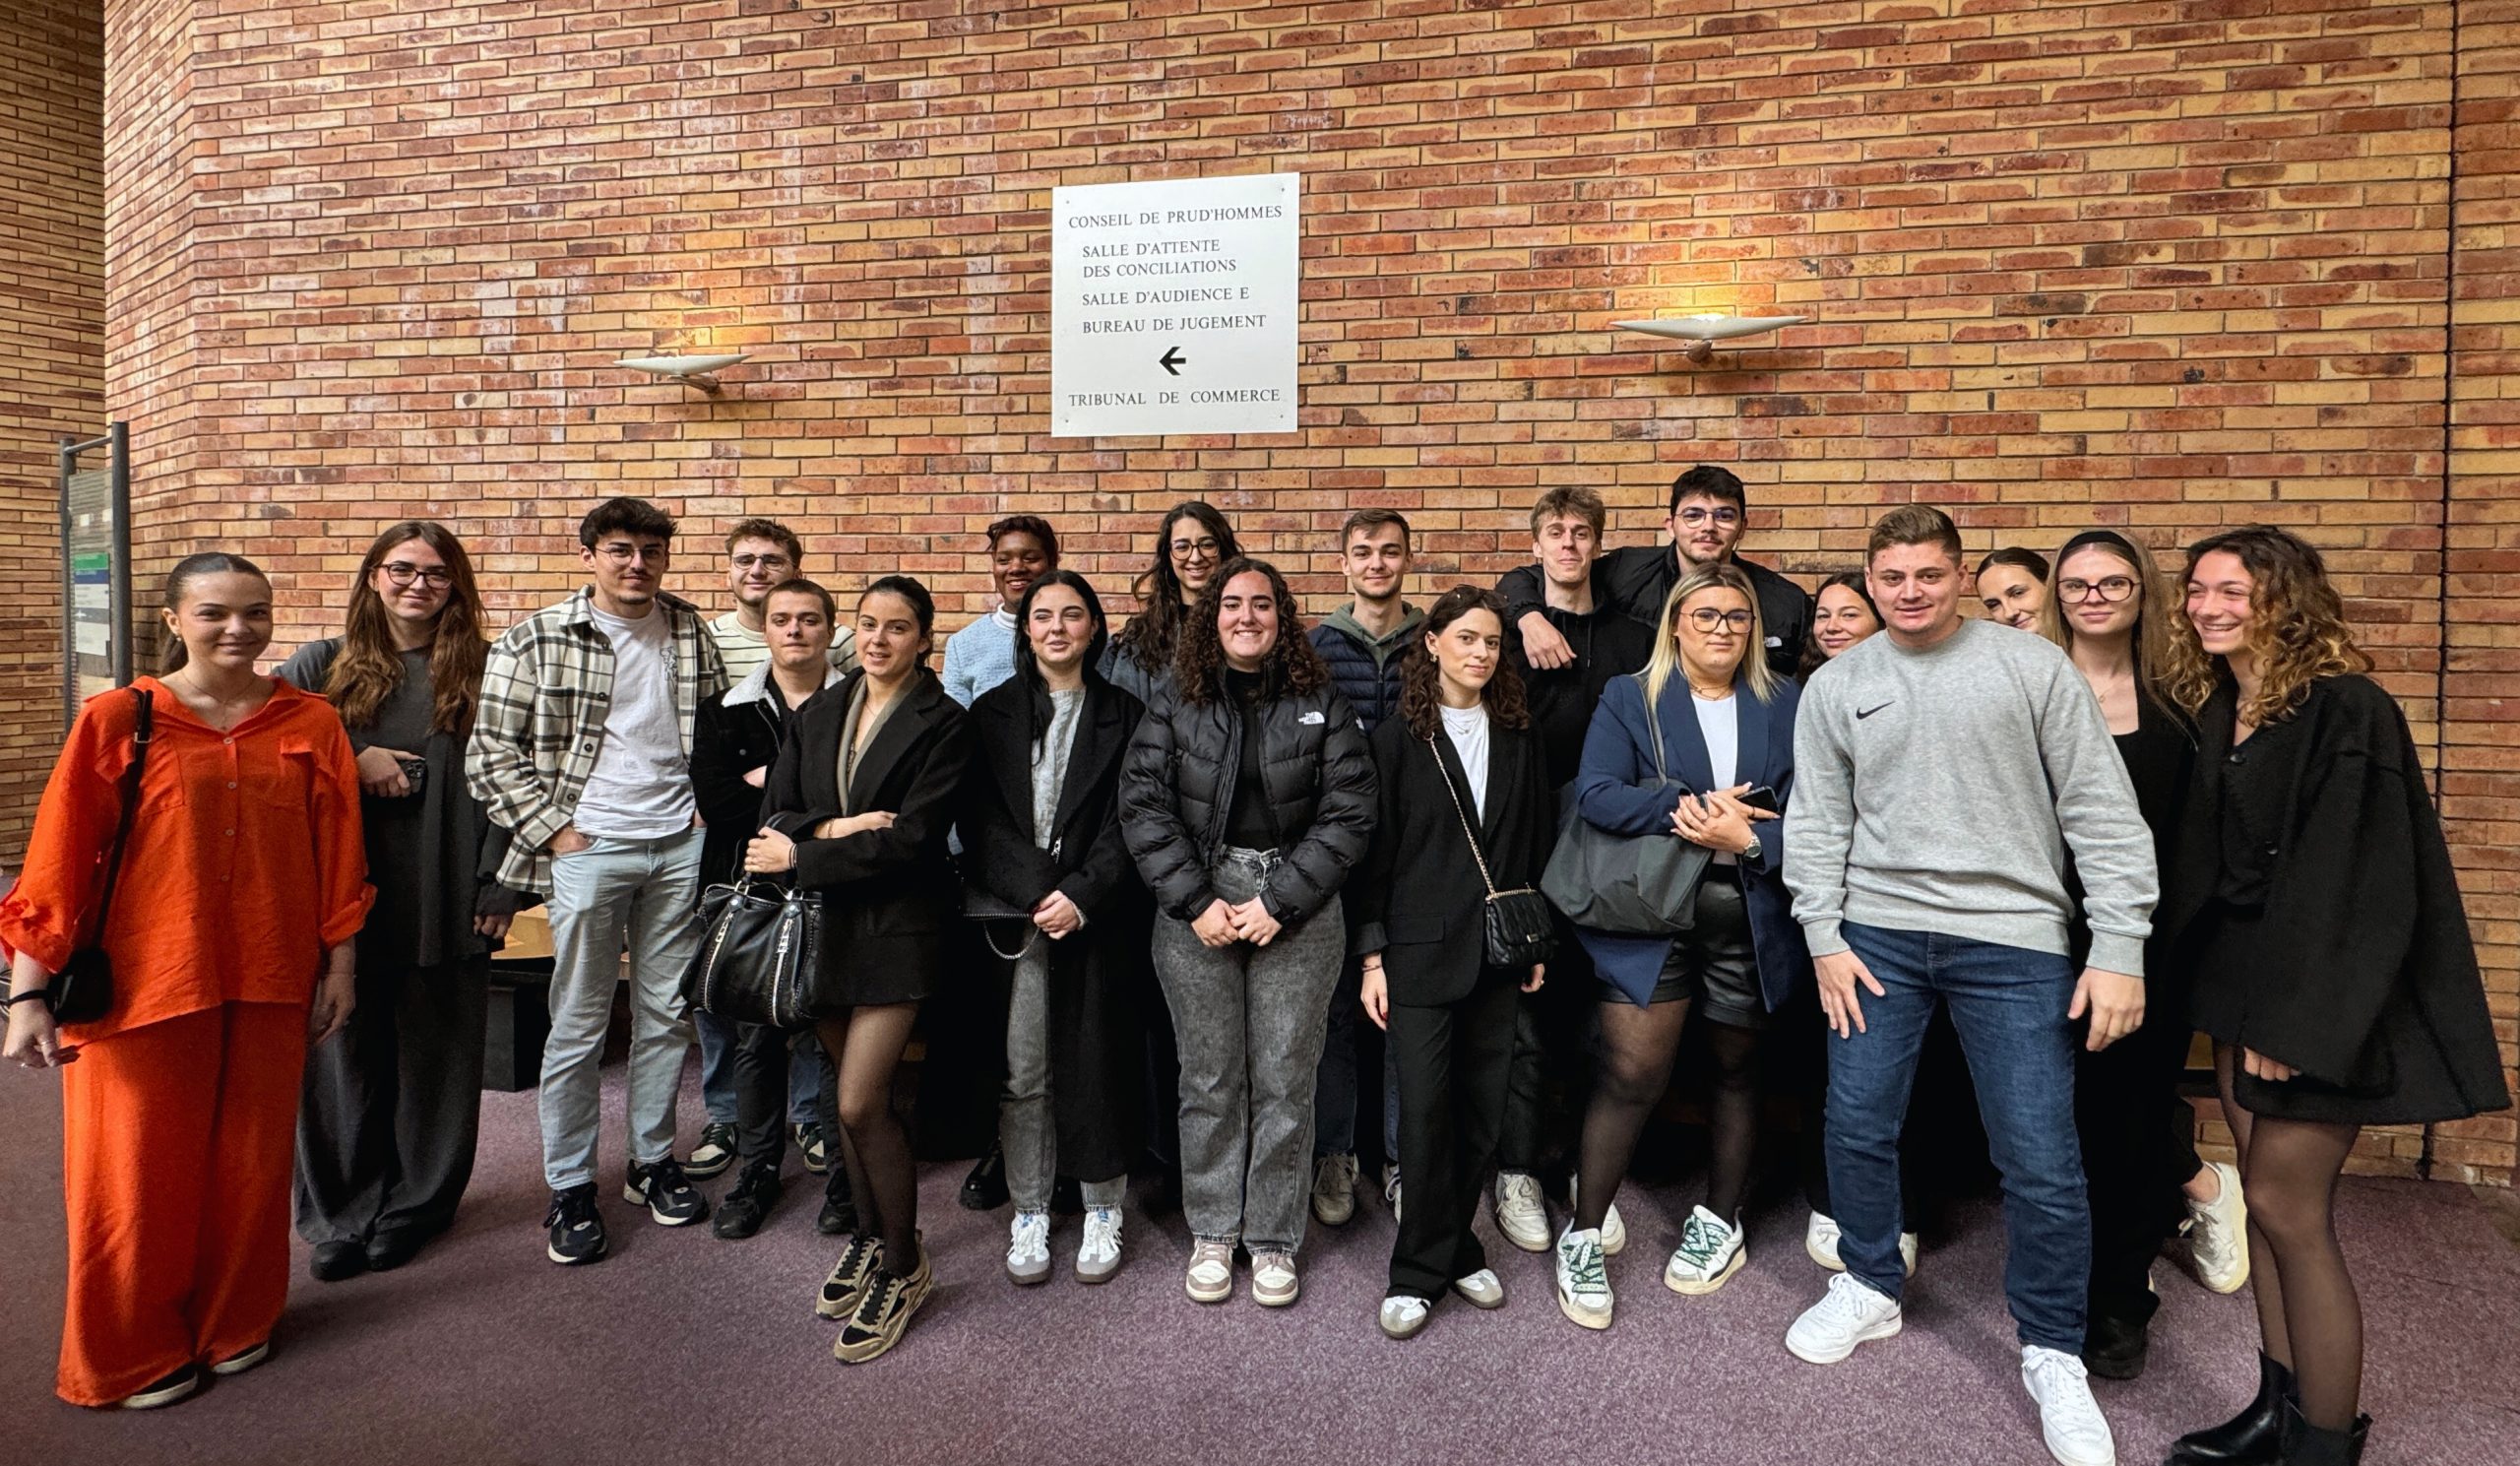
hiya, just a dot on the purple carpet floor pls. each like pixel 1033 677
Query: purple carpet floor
pixel 682 1348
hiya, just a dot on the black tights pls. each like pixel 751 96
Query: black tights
pixel 2306 1309
pixel 865 1047
pixel 1638 1046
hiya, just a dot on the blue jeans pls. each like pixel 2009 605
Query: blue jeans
pixel 2008 1005
pixel 717 1073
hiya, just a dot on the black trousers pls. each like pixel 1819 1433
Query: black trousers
pixel 1551 1076
pixel 2139 1149
pixel 1452 1062
pixel 762 1056
pixel 390 1108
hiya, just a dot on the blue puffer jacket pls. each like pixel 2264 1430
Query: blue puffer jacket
pixel 1366 670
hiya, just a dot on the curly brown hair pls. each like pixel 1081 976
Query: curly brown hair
pixel 2297 631
pixel 1198 660
pixel 1420 679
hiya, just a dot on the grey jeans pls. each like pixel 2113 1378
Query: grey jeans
pixel 1027 1128
pixel 1251 1022
pixel 649 889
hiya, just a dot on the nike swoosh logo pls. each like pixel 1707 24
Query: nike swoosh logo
pixel 1862 713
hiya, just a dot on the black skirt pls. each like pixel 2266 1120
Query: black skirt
pixel 2416 1084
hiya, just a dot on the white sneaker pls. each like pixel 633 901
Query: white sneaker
pixel 1521 1213
pixel 1481 1289
pixel 1583 1284
pixel 1391 1191
pixel 1848 1315
pixel 1820 1241
pixel 1710 1252
pixel 1275 1282
pixel 2218 1233
pixel 1613 1231
pixel 1098 1257
pixel 2077 1433
pixel 1211 1276
pixel 1028 1247
pixel 1403 1315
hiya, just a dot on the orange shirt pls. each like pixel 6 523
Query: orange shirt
pixel 245 861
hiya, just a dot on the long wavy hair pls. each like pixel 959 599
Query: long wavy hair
pixel 1199 664
pixel 1666 660
pixel 1812 656
pixel 174 654
pixel 2154 613
pixel 1422 698
pixel 2297 629
pixel 369 669
pixel 1028 668
pixel 1154 632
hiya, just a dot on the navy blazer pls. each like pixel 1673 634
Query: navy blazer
pixel 1616 789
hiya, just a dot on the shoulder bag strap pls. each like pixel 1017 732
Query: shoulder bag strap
pixel 1468 833
pixel 143 729
pixel 1654 726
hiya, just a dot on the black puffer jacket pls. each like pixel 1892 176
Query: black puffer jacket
pixel 1177 791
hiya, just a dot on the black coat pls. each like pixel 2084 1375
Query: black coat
pixel 1636 580
pixel 889 895
pixel 727 743
pixel 1177 791
pixel 1097 975
pixel 1419 900
pixel 2365 975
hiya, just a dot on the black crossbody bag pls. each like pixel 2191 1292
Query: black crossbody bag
pixel 83 992
pixel 1518 933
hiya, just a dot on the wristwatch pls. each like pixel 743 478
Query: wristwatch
pixel 1752 850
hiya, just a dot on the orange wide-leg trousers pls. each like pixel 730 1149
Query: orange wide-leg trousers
pixel 178 1139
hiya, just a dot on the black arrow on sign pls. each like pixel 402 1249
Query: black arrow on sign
pixel 1171 360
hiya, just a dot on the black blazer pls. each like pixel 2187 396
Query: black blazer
pixel 887 895
pixel 1419 900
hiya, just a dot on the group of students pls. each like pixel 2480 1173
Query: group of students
pixel 1205 846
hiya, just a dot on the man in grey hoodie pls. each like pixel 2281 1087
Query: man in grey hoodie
pixel 1944 774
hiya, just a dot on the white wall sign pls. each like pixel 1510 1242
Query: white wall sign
pixel 1172 307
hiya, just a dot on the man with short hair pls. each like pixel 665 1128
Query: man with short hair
pixel 1705 522
pixel 761 553
pixel 1363 643
pixel 581 750
pixel 1543 1094
pixel 1944 773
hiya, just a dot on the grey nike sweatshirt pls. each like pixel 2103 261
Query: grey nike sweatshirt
pixel 1939 791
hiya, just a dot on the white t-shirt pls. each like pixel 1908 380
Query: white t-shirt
pixel 1720 723
pixel 641 786
pixel 1467 729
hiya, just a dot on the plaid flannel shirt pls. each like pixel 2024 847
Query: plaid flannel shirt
pixel 545 691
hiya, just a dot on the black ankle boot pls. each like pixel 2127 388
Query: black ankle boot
pixel 2306 1444
pixel 2252 1437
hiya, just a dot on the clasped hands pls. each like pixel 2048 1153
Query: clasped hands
pixel 1718 820
pixel 1224 923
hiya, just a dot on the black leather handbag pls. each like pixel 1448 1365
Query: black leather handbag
pixel 83 992
pixel 1518 932
pixel 758 944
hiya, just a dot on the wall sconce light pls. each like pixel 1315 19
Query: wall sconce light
pixel 1703 332
pixel 696 371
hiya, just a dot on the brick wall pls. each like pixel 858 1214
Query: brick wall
pixel 52 359
pixel 2157 266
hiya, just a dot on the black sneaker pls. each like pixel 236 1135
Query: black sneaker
pixel 2115 1349
pixel 839 1217
pixel 166 1391
pixel 666 1191
pixel 814 1146
pixel 334 1261
pixel 985 1189
pixel 883 1312
pixel 741 1211
pixel 714 1154
pixel 577 1231
pixel 839 1297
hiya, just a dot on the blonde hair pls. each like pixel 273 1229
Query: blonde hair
pixel 2154 612
pixel 1716 574
pixel 2297 629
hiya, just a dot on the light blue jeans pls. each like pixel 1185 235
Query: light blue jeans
pixel 647 892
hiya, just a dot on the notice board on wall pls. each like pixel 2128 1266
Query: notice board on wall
pixel 1174 306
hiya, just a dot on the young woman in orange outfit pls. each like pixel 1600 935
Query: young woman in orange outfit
pixel 242 883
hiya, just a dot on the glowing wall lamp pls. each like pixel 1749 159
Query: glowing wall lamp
pixel 1703 332
pixel 695 371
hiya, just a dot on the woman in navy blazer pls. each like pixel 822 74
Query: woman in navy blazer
pixel 1726 725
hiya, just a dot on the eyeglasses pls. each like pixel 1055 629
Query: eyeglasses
pixel 2112 590
pixel 622 554
pixel 1695 518
pixel 1707 618
pixel 763 562
pixel 1183 550
pixel 404 572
